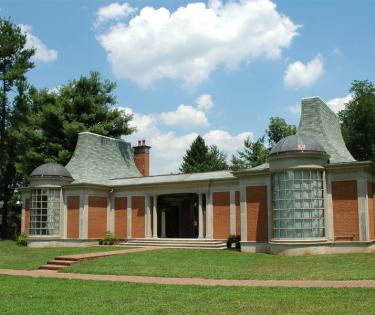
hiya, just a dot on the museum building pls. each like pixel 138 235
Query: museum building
pixel 311 197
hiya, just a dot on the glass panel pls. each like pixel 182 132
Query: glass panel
pixel 298 208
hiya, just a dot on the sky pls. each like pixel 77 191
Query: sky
pixel 220 69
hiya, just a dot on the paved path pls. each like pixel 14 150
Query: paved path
pixel 194 281
pixel 106 253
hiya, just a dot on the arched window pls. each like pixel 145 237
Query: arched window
pixel 45 211
pixel 297 204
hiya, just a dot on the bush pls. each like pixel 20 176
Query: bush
pixel 109 239
pixel 22 240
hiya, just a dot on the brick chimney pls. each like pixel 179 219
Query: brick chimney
pixel 142 157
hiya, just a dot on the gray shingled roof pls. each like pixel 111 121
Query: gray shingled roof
pixel 297 143
pixel 51 169
pixel 172 178
pixel 318 121
pixel 97 158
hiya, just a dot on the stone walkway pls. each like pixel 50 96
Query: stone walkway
pixel 194 281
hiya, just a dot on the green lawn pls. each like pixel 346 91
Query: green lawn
pixel 21 295
pixel 16 257
pixel 223 264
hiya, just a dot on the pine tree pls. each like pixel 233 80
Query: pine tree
pixel 201 158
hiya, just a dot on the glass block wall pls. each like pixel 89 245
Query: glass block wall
pixel 45 212
pixel 297 204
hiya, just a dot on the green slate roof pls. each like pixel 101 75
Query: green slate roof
pixel 98 158
pixel 318 121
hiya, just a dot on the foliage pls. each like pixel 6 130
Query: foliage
pixel 109 239
pixel 358 121
pixel 56 118
pixel 22 240
pixel 15 61
pixel 278 129
pixel 255 153
pixel 202 158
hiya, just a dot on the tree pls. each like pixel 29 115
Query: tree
pixel 358 121
pixel 15 61
pixel 201 158
pixel 278 129
pixel 56 118
pixel 253 154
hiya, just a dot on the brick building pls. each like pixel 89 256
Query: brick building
pixel 310 197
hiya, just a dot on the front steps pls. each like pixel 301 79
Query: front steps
pixel 176 243
pixel 57 264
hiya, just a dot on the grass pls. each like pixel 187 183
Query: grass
pixel 22 295
pixel 16 257
pixel 222 264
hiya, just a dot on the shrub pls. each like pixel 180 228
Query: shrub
pixel 109 239
pixel 230 240
pixel 22 240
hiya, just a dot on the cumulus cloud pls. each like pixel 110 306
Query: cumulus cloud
pixel 191 42
pixel 113 12
pixel 295 109
pixel 205 102
pixel 168 147
pixel 185 116
pixel 42 53
pixel 299 74
pixel 338 103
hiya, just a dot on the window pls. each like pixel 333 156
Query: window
pixel 45 211
pixel 297 203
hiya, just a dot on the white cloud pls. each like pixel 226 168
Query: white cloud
pixel 337 51
pixel 191 42
pixel 205 102
pixel 168 147
pixel 185 116
pixel 114 11
pixel 42 53
pixel 338 103
pixel 299 74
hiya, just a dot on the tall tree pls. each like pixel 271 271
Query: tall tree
pixel 278 129
pixel 202 158
pixel 358 121
pixel 56 118
pixel 15 61
pixel 253 154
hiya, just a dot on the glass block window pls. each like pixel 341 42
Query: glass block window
pixel 297 204
pixel 45 211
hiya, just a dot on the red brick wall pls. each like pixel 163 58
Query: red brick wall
pixel 371 209
pixel 121 228
pixel 142 162
pixel 221 214
pixel 73 217
pixel 138 216
pixel 238 213
pixel 345 210
pixel 257 223
pixel 27 216
pixel 97 221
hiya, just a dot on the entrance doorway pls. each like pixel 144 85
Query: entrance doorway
pixel 178 216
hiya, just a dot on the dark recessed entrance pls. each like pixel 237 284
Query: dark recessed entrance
pixel 178 216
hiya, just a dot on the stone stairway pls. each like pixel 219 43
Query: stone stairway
pixel 59 263
pixel 176 243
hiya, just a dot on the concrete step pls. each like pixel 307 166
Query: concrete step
pixel 52 267
pixel 62 262
pixel 176 243
pixel 65 258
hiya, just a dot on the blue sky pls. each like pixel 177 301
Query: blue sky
pixel 220 69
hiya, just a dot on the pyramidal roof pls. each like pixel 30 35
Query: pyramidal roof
pixel 320 122
pixel 98 158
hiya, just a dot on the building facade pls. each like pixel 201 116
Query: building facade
pixel 310 197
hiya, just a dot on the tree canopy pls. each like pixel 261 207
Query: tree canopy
pixel 358 121
pixel 15 62
pixel 255 152
pixel 202 158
